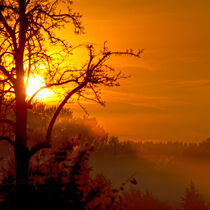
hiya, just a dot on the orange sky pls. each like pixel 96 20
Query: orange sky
pixel 167 97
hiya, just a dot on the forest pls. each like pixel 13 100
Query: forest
pixel 114 174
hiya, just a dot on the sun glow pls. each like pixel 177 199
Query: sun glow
pixel 35 82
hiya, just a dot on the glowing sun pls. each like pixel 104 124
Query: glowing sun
pixel 35 82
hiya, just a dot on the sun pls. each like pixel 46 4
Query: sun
pixel 35 82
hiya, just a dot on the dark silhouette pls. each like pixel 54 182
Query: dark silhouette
pixel 193 200
pixel 137 200
pixel 27 29
pixel 62 181
pixel 61 177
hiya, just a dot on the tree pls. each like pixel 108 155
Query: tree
pixel 192 199
pixel 25 28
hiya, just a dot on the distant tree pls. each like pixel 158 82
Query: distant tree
pixel 66 127
pixel 192 199
pixel 137 200
pixel 27 30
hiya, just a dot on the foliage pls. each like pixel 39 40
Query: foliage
pixel 193 200
pixel 61 180
pixel 136 200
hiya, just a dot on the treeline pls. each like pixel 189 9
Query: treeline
pixel 88 169
pixel 152 149
pixel 61 179
pixel 67 127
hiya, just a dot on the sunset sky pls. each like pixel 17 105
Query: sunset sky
pixel 167 96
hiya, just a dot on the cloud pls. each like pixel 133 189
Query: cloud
pixel 187 83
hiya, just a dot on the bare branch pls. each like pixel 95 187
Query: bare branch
pixel 46 144
pixel 58 110
pixel 37 147
pixel 9 30
pixel 48 86
pixel 82 107
pixel 7 74
pixel 4 138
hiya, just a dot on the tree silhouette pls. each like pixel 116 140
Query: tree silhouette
pixel 193 200
pixel 27 29
pixel 61 181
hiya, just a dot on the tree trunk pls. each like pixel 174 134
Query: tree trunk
pixel 21 150
pixel 22 164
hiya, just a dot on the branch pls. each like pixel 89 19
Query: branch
pixel 58 110
pixel 90 76
pixel 7 74
pixel 62 17
pixel 4 80
pixel 9 30
pixel 48 86
pixel 82 107
pixel 37 147
pixel 4 138
pixel 32 97
pixel 46 144
pixel 129 52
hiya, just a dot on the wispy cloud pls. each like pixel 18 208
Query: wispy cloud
pixel 187 83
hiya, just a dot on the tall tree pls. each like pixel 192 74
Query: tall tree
pixel 192 199
pixel 27 29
